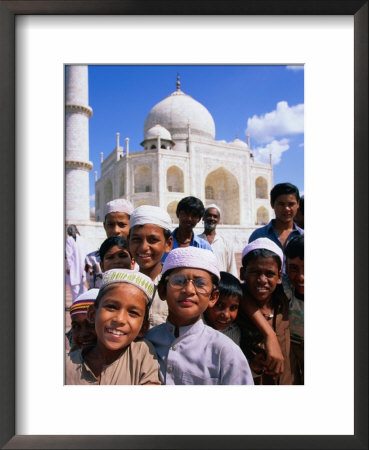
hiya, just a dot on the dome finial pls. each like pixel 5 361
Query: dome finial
pixel 178 83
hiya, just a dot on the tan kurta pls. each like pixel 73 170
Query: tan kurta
pixel 138 364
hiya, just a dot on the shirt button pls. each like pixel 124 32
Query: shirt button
pixel 170 369
pixel 174 347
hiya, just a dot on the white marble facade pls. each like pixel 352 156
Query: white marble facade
pixel 181 157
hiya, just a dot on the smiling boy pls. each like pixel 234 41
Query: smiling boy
pixel 189 351
pixel 149 239
pixel 118 314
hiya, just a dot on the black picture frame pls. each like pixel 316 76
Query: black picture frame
pixel 8 10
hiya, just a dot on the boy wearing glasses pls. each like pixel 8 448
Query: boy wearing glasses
pixel 189 351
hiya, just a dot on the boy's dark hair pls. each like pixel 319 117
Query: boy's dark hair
pixel 167 233
pixel 261 252
pixel 229 285
pixel 295 248
pixel 112 242
pixel 191 205
pixel 282 189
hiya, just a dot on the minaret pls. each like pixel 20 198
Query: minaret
pixel 77 164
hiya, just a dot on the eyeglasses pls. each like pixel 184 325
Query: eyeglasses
pixel 202 285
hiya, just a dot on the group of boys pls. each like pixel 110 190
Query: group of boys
pixel 172 311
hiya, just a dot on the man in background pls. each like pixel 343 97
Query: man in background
pixel 222 249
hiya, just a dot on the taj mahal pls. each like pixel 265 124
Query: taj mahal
pixel 180 156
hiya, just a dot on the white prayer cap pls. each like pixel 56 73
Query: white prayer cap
pixel 138 279
pixel 151 214
pixel 213 205
pixel 119 205
pixel 197 258
pixel 265 243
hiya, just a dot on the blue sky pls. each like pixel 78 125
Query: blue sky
pixel 267 102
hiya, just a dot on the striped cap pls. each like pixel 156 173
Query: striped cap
pixel 83 302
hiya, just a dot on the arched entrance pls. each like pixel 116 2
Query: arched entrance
pixel 262 216
pixel 223 188
pixel 175 179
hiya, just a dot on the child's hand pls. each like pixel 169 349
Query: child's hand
pixel 274 364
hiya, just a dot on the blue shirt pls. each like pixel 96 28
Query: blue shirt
pixel 269 232
pixel 200 355
pixel 195 242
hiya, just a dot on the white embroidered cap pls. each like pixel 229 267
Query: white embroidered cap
pixel 151 214
pixel 265 243
pixel 119 205
pixel 138 279
pixel 197 258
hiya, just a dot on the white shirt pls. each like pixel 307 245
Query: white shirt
pixel 158 312
pixel 200 355
pixel 223 250
pixel 75 252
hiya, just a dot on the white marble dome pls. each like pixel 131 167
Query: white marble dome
pixel 176 111
pixel 237 142
pixel 156 131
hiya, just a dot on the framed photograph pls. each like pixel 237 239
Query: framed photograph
pixel 37 39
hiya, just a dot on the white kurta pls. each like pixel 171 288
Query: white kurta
pixel 223 250
pixel 75 253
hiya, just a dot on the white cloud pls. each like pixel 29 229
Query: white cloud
pixel 301 145
pixel 284 120
pixel 92 197
pixel 275 148
pixel 295 68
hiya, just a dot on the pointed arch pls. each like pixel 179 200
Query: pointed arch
pixel 175 179
pixel 143 179
pixel 261 187
pixel 262 216
pixel 225 191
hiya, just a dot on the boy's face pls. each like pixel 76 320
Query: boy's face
pixel 148 245
pixel 295 272
pixel 119 317
pixel 285 207
pixel 186 304
pixel 116 224
pixel 187 221
pixel 83 331
pixel 117 258
pixel 224 312
pixel 262 277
